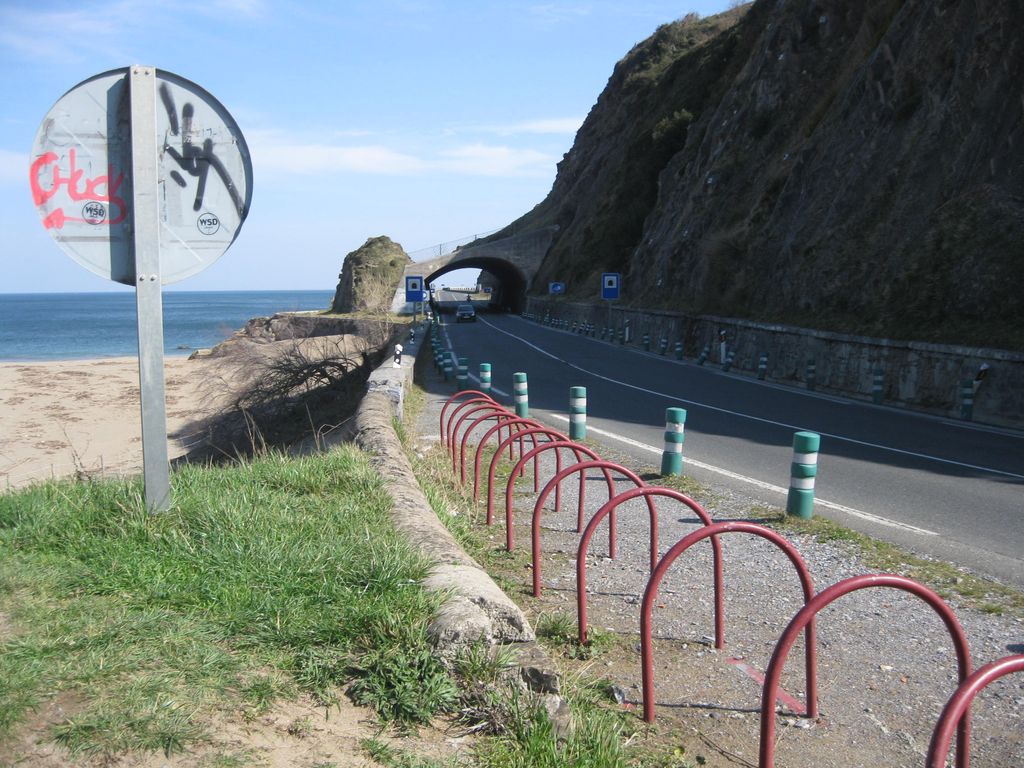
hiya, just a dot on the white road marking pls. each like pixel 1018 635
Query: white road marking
pixel 755 482
pixel 829 435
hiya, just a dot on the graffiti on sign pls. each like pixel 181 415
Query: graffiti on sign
pixel 81 176
pixel 193 159
pixel 47 179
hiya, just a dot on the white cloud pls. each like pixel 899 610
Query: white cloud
pixel 552 13
pixel 243 7
pixel 67 35
pixel 271 152
pixel 485 160
pixel 305 159
pixel 553 125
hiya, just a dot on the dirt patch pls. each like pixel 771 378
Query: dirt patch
pixel 296 734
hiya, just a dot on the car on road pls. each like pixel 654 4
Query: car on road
pixel 465 312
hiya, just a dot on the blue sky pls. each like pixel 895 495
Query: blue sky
pixel 425 120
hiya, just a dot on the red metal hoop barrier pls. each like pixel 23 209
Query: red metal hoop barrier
pixel 582 467
pixel 448 436
pixel 651 593
pixel 503 415
pixel 611 505
pixel 959 704
pixel 517 470
pixel 552 435
pixel 452 399
pixel 520 424
pixel 491 409
pixel 806 614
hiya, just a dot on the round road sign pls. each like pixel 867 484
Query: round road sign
pixel 81 176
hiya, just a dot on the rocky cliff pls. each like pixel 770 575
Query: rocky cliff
pixel 369 275
pixel 847 165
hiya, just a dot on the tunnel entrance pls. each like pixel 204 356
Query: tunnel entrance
pixel 509 284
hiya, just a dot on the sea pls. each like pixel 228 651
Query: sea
pixel 74 326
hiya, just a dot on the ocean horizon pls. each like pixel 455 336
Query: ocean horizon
pixel 37 327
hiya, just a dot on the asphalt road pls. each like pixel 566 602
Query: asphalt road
pixel 940 487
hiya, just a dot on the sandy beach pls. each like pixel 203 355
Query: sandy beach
pixel 82 416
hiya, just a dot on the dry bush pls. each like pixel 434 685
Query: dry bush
pixel 275 394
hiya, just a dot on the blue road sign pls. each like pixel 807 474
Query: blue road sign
pixel 610 285
pixel 414 288
pixel 556 287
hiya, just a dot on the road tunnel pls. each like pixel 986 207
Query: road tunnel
pixel 509 283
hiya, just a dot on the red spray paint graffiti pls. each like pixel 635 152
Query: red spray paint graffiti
pixel 91 192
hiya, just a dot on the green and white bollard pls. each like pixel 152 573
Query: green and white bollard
pixel 704 354
pixel 812 375
pixel 485 378
pixel 462 375
pixel 878 386
pixel 762 367
pixel 727 363
pixel 672 456
pixel 520 395
pixel 663 345
pixel 577 413
pixel 802 472
pixel 647 342
pixel 967 399
pixel 679 350
pixel 446 365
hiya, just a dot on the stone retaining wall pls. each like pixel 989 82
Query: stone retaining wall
pixel 917 375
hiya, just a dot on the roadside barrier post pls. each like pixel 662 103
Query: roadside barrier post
pixel 520 395
pixel 462 374
pixel 663 345
pixel 577 413
pixel 877 386
pixel 447 367
pixel 727 363
pixel 967 399
pixel 762 367
pixel 672 456
pixel 647 342
pixel 812 375
pixel 485 378
pixel 803 470
pixel 704 354
pixel 679 350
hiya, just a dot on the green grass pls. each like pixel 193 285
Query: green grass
pixel 391 757
pixel 262 580
pixel 946 579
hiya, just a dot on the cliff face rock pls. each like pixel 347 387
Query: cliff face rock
pixel 848 165
pixel 369 275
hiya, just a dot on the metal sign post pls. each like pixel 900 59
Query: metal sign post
pixel 143 178
pixel 148 296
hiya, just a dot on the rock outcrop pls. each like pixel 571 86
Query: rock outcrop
pixel 369 275
pixel 847 165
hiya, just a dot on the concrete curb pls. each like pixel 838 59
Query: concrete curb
pixel 476 608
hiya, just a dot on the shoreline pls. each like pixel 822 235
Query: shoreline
pixel 98 359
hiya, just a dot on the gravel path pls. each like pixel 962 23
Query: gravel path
pixel 886 662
